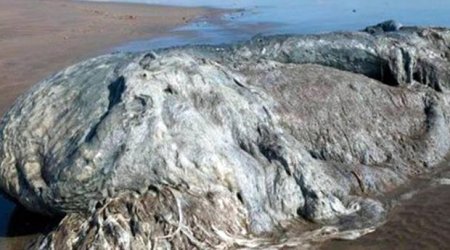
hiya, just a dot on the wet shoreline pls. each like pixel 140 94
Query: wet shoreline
pixel 418 223
pixel 417 216
pixel 286 17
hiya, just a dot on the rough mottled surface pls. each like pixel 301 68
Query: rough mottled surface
pixel 218 147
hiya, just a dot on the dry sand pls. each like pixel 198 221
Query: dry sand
pixel 39 37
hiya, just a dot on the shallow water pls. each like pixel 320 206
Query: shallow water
pixel 421 222
pixel 296 17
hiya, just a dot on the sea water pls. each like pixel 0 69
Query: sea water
pixel 265 17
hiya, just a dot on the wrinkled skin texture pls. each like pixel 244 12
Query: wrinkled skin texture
pixel 217 147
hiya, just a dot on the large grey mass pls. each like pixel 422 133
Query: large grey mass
pixel 230 146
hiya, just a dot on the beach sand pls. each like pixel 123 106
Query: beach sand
pixel 38 38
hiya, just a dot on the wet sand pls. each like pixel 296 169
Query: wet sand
pixel 420 223
pixel 420 220
pixel 15 243
pixel 38 38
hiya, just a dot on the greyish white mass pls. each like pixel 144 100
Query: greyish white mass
pixel 230 146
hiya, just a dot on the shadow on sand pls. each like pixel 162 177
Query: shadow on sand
pixel 24 223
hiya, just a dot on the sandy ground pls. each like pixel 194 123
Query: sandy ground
pixel 39 37
pixel 16 243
